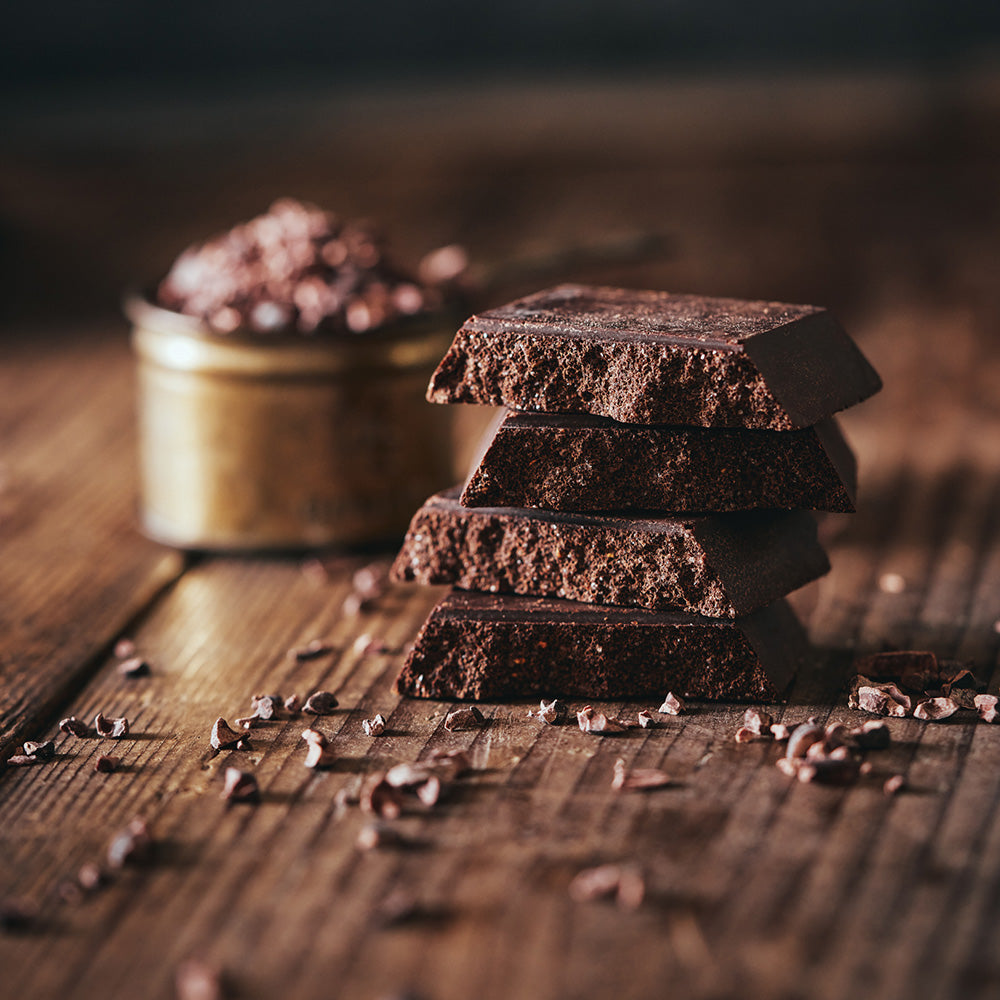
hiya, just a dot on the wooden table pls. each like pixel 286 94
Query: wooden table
pixel 883 204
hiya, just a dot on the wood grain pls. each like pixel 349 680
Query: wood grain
pixel 756 886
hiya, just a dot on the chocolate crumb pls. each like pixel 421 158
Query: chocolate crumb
pixel 223 737
pixel 780 731
pixel 624 882
pixel 320 754
pixel 134 666
pixel 106 764
pixel 113 729
pixel 590 721
pixel 320 703
pixel 935 709
pixel 642 778
pixel 744 735
pixel 266 706
pixel 195 979
pixel 879 698
pixel 240 786
pixel 986 706
pixel 380 798
pixel 645 719
pixel 40 751
pixel 312 650
pixel 133 845
pixel 803 737
pixel 124 649
pixel 672 705
pixel 552 712
pixel 464 718
pixel 293 704
pixel 74 727
pixel 374 835
pixel 872 735
pixel 757 721
pixel 90 876
pixel 375 726
pixel 894 784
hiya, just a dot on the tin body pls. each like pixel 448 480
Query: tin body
pixel 249 443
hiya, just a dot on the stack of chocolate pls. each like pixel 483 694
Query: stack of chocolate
pixel 642 508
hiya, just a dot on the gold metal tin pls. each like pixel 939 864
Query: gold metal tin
pixel 248 443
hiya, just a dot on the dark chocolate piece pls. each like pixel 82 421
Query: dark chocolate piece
pixel 572 462
pixel 487 647
pixel 652 357
pixel 721 566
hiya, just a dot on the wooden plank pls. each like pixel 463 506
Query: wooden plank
pixel 73 570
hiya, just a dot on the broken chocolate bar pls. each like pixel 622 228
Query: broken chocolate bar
pixel 720 566
pixel 483 646
pixel 656 358
pixel 572 462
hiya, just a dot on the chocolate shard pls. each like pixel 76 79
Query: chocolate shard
pixel 652 357
pixel 585 464
pixel 483 646
pixel 720 566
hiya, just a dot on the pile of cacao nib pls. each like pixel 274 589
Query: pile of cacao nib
pixel 918 684
pixel 299 268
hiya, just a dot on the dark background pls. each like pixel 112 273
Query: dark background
pixel 129 130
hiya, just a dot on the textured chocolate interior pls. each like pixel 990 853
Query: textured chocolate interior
pixel 491 647
pixel 721 566
pixel 575 462
pixel 652 357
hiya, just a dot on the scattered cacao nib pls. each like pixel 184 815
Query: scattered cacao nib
pixel 195 979
pixel 788 765
pixel 368 645
pixel 744 735
pixel 320 703
pixel 293 704
pixel 830 771
pixel 590 721
pixel 552 712
pixel 429 791
pixel 375 726
pixel 891 583
pixel 780 731
pixel 320 754
pixel 935 709
pixel 370 581
pixel 672 705
pixel 964 698
pixel 872 735
pixel 962 680
pixel 22 760
pixel 354 604
pixel 464 718
pixel 133 845
pixel 373 835
pixel 125 649
pixel 113 729
pixel 244 743
pixel 17 916
pixel 312 650
pixel 803 737
pixel 894 784
pixel 641 778
pixel 266 706
pixel 624 882
pixel 240 786
pixel 90 877
pixel 986 706
pixel 380 798
pixel 74 727
pixel 223 737
pixel 133 667
pixel 645 719
pixel 879 698
pixel 106 764
pixel 836 734
pixel 40 751
pixel 757 721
